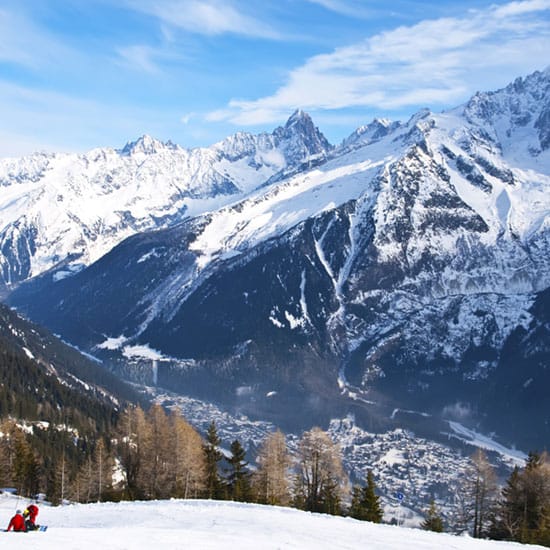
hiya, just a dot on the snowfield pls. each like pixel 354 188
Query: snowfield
pixel 202 524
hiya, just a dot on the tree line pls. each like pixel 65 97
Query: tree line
pixel 157 455
pixel 161 456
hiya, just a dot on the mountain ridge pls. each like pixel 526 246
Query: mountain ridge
pixel 64 211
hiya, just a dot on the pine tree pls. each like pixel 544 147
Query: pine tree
pixel 331 501
pixel 534 498
pixel 356 509
pixel 507 518
pixel 212 456
pixel 7 451
pixel 524 513
pixel 53 485
pixel 25 466
pixel 371 501
pixel 238 479
pixel 365 504
pixel 433 520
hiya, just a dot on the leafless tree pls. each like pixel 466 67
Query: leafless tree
pixel 188 465
pixel 271 480
pixel 321 479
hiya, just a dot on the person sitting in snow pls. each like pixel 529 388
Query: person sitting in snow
pixel 17 522
pixel 30 514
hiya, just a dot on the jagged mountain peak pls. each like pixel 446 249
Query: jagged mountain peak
pixel 287 147
pixel 100 197
pixel 516 118
pixel 523 94
pixel 369 133
pixel 302 139
pixel 301 123
pixel 299 116
pixel 148 145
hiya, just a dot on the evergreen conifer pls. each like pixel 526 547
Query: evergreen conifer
pixel 371 501
pixel 212 456
pixel 433 521
pixel 238 480
pixel 365 503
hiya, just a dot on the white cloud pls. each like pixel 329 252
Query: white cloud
pixel 435 62
pixel 208 17
pixel 520 8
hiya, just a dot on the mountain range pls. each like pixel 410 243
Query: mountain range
pixel 63 211
pixel 402 276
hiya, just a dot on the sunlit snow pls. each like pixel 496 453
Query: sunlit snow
pixel 204 525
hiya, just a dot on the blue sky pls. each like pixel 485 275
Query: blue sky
pixel 76 74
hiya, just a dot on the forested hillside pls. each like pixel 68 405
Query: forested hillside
pixel 56 407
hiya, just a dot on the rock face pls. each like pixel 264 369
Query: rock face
pixel 406 269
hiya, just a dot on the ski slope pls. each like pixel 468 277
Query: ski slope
pixel 204 525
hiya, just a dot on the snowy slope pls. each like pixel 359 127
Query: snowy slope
pixel 436 190
pixel 219 525
pixel 69 208
pixel 463 166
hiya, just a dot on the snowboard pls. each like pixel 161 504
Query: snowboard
pixel 41 528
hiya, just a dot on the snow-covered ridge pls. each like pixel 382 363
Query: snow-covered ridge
pixel 468 182
pixel 75 207
pixel 64 208
pixel 516 119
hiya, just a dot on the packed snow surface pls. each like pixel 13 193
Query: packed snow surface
pixel 201 524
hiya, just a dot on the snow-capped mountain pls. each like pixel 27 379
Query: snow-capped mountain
pixel 65 211
pixel 408 268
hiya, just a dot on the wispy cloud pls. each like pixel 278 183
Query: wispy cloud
pixel 140 57
pixel 521 8
pixel 26 44
pixel 207 17
pixel 434 62
pixel 186 118
pixel 148 59
pixel 352 8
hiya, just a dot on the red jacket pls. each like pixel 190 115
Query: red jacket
pixel 17 523
pixel 32 512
